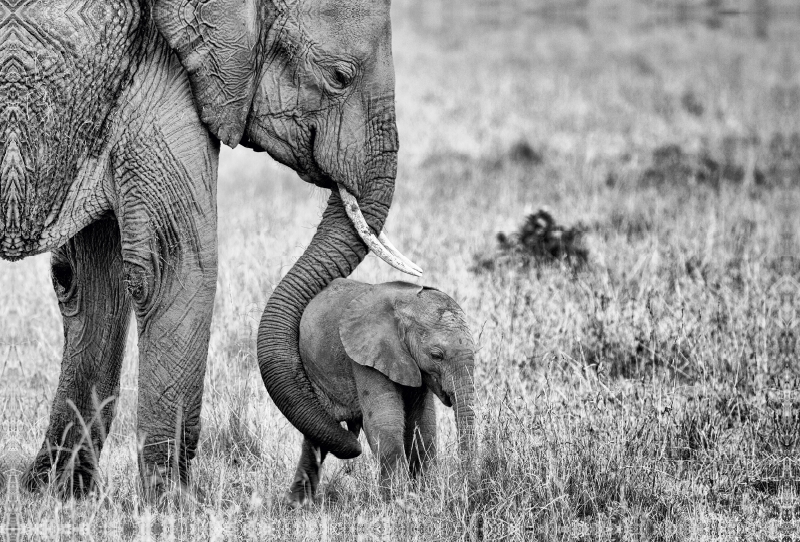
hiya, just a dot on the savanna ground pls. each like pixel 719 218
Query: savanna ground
pixel 648 392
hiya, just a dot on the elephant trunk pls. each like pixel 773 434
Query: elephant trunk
pixel 463 399
pixel 335 251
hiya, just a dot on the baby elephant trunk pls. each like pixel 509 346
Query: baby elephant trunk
pixel 462 394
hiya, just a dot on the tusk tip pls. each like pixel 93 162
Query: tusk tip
pixel 380 246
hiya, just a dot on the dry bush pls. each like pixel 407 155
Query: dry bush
pixel 539 240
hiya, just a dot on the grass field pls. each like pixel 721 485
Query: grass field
pixel 653 387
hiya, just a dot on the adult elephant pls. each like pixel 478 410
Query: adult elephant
pixel 110 118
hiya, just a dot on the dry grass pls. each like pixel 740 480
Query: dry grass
pixel 645 388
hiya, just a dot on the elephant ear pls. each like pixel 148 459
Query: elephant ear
pixel 217 42
pixel 372 332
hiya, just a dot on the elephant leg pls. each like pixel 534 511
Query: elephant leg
pixel 172 280
pixel 383 416
pixel 87 276
pixel 165 184
pixel 307 476
pixel 309 470
pixel 420 431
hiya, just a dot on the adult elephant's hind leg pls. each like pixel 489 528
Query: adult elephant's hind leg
pixel 87 276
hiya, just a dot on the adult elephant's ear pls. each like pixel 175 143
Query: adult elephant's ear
pixel 217 42
pixel 373 334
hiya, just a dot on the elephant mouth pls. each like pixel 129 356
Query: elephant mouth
pixel 380 245
pixel 445 397
pixel 311 172
pixel 317 178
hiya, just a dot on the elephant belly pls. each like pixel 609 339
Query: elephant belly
pixel 62 66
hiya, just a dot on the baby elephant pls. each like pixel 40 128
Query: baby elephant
pixel 376 356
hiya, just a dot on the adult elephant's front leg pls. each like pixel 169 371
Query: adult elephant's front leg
pixel 87 276
pixel 168 223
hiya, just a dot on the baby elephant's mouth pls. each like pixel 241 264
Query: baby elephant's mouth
pixel 433 382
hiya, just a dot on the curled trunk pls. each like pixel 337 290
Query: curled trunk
pixel 334 252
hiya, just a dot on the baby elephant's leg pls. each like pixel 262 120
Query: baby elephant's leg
pixel 383 416
pixel 309 470
pixel 307 475
pixel 420 434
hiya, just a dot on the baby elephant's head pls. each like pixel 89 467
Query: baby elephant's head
pixel 415 335
pixel 436 334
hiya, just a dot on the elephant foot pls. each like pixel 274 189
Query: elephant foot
pixel 176 496
pixel 162 490
pixel 301 492
pixel 70 480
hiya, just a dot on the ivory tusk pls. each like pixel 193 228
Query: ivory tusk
pixel 395 259
pixel 391 248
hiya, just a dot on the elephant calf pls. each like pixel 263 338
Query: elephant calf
pixel 376 355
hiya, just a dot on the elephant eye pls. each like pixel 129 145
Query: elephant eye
pixel 437 355
pixel 340 77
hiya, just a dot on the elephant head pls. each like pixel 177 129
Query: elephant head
pixel 312 83
pixel 416 335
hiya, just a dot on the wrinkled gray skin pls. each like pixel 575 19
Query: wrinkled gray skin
pixel 110 119
pixel 376 356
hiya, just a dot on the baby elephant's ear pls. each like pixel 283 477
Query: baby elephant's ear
pixel 372 336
